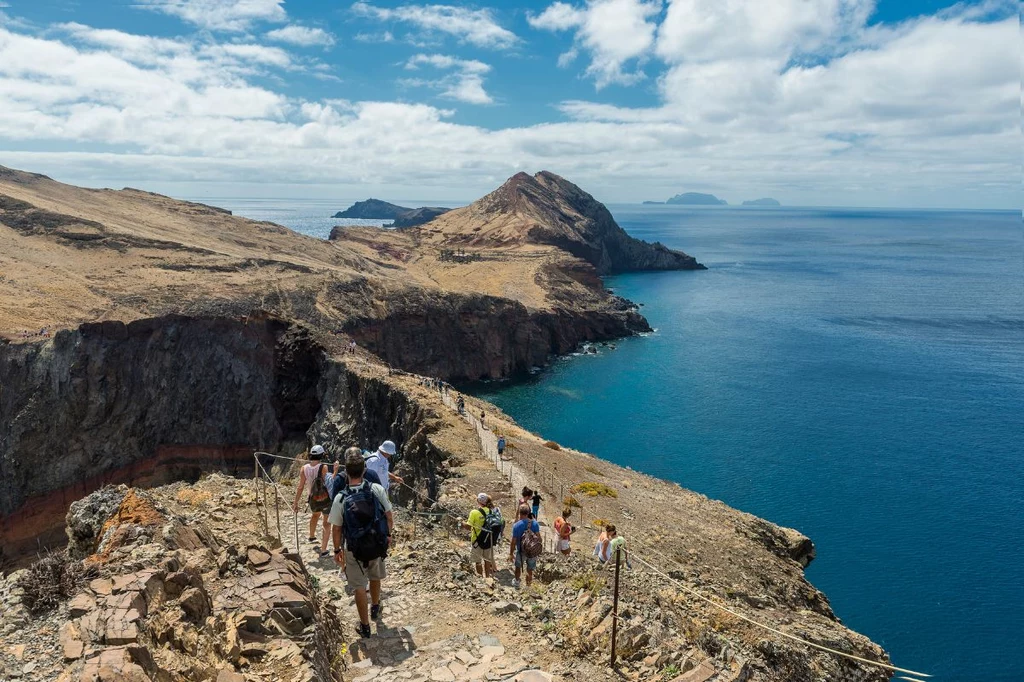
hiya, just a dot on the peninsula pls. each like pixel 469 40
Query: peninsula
pixel 375 209
pixel 151 341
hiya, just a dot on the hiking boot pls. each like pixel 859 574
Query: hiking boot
pixel 375 611
pixel 313 539
pixel 364 630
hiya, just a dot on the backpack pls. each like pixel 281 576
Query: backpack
pixel 319 492
pixel 531 544
pixel 494 525
pixel 366 526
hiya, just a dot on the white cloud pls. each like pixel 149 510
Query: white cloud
pixel 924 113
pixel 303 36
pixel 219 15
pixel 477 27
pixel 614 32
pixel 383 37
pixel 708 30
pixel 465 85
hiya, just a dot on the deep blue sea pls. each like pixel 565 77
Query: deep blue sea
pixel 855 374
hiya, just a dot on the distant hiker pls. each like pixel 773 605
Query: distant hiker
pixel 602 549
pixel 525 544
pixel 535 500
pixel 339 479
pixel 362 520
pixel 461 404
pixel 564 530
pixel 380 463
pixel 352 346
pixel 482 417
pixel 501 445
pixel 313 483
pixel 485 526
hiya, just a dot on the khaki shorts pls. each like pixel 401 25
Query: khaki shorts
pixel 478 555
pixel 358 577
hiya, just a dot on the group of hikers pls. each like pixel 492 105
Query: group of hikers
pixel 350 499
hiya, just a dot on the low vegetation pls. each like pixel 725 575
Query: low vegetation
pixel 570 502
pixel 50 581
pixel 600 523
pixel 593 470
pixel 592 489
pixel 552 445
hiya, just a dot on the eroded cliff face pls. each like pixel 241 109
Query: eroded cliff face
pixel 470 337
pixel 171 398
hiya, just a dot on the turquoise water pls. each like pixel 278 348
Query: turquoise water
pixel 855 374
pixel 858 375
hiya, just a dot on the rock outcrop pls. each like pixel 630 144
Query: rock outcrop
pixel 548 209
pixel 375 209
pixel 696 199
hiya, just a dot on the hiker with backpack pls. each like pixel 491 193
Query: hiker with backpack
pixel 485 526
pixel 362 520
pixel 337 481
pixel 313 483
pixel 525 545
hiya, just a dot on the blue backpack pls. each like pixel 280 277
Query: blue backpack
pixel 366 526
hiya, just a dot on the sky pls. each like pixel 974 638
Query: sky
pixel 905 103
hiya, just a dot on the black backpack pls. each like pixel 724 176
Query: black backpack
pixel 490 534
pixel 366 526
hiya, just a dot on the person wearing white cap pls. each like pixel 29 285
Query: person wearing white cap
pixel 313 483
pixel 380 462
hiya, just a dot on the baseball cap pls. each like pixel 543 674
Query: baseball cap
pixel 316 450
pixel 387 447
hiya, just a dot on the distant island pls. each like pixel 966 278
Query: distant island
pixel 697 199
pixel 655 202
pixel 766 201
pixel 375 209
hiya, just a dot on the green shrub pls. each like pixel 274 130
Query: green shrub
pixel 591 489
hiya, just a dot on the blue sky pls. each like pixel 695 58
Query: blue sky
pixel 815 102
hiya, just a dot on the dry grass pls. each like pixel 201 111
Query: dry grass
pixel 592 489
pixel 552 445
pixel 600 523
pixel 593 470
pixel 570 502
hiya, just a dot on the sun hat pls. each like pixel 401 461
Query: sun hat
pixel 388 448
pixel 316 450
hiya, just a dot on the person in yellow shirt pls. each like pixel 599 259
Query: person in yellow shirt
pixel 482 557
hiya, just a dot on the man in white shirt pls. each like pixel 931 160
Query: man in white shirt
pixel 380 462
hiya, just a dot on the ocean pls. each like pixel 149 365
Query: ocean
pixel 856 374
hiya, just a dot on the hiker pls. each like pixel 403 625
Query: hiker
pixel 461 404
pixel 525 544
pixel 565 531
pixel 362 520
pixel 536 504
pixel 602 549
pixel 337 481
pixel 313 483
pixel 501 445
pixel 485 526
pixel 352 346
pixel 482 418
pixel 380 463
pixel 526 496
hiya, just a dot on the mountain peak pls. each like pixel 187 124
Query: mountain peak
pixel 545 208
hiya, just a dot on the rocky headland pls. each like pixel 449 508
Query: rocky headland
pixel 149 342
pixel 401 216
pixel 696 199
